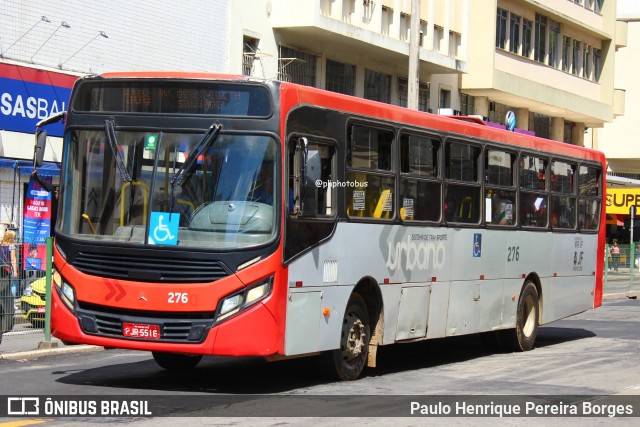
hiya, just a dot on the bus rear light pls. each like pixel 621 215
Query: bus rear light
pixel 482 277
pixel 434 279
pixel 299 284
pixel 386 281
pixel 326 312
pixel 235 303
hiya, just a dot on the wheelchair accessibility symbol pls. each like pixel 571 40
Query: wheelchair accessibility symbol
pixel 163 228
pixel 477 245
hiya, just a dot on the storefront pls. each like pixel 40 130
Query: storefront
pixel 28 95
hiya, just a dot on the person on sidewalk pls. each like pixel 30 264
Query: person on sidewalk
pixel 615 255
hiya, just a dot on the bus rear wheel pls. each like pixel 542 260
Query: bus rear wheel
pixel 176 361
pixel 348 362
pixel 523 337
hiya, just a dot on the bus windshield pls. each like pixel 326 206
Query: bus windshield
pixel 226 200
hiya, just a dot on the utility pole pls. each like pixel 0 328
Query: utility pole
pixel 414 57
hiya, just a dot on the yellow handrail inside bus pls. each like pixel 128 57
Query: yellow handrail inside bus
pixel 187 203
pixel 86 217
pixel 145 201
pixel 383 201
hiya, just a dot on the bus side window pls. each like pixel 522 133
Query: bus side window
pixel 317 194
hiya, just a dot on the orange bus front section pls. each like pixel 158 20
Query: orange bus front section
pixel 255 331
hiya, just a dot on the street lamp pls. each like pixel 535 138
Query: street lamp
pixel 62 24
pixel 42 19
pixel 100 34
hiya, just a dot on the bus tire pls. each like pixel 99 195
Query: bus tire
pixel 176 361
pixel 523 337
pixel 347 362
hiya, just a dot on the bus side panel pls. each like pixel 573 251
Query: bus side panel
pixel 475 306
pixel 308 329
pixel 439 310
pixel 568 296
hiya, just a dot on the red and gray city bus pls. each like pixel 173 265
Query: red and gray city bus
pixel 204 214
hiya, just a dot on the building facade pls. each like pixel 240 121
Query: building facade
pixel 552 62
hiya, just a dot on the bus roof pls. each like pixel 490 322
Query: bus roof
pixel 294 94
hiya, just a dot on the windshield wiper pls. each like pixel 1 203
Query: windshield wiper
pixel 188 165
pixel 109 129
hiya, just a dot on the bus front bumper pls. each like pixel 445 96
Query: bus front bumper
pixel 251 333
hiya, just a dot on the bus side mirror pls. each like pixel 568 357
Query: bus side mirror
pixel 38 151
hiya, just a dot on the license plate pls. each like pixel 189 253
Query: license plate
pixel 41 310
pixel 141 330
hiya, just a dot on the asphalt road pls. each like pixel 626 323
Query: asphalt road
pixel 594 353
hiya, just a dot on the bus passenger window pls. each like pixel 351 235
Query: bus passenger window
pixel 317 194
pixel 462 204
pixel 533 210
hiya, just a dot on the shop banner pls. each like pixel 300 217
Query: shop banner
pixel 36 225
pixel 28 95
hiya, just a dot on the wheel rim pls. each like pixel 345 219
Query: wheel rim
pixel 529 316
pixel 353 337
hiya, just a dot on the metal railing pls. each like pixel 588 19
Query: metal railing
pixel 24 294
pixel 622 272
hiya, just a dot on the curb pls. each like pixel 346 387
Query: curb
pixel 34 354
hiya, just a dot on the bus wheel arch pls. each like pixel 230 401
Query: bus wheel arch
pixel 528 316
pixel 369 289
pixel 360 332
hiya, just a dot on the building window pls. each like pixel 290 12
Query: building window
pixel 341 77
pixel 467 104
pixel 405 27
pixel 568 132
pixel 527 43
pixel 514 33
pixel 598 6
pixel 438 35
pixel 589 4
pixel 597 64
pixel 387 20
pixel 445 98
pixel 501 28
pixel 541 31
pixel 575 64
pixel 542 125
pixel 296 66
pixel 586 61
pixel 423 94
pixel 377 86
pixel 554 43
pixel 249 51
pixel 566 53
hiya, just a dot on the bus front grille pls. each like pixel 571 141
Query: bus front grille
pixel 148 268
pixel 174 327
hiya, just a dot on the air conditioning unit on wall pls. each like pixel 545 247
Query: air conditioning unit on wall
pixel 445 111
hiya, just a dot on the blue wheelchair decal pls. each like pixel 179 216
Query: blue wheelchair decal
pixel 163 228
pixel 477 245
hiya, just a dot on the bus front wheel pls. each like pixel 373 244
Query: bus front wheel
pixel 348 362
pixel 176 361
pixel 523 337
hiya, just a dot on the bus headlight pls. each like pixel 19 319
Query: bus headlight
pixel 65 290
pixel 235 303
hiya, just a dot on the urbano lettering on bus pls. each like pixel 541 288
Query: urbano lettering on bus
pixel 418 254
pixel 31 108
